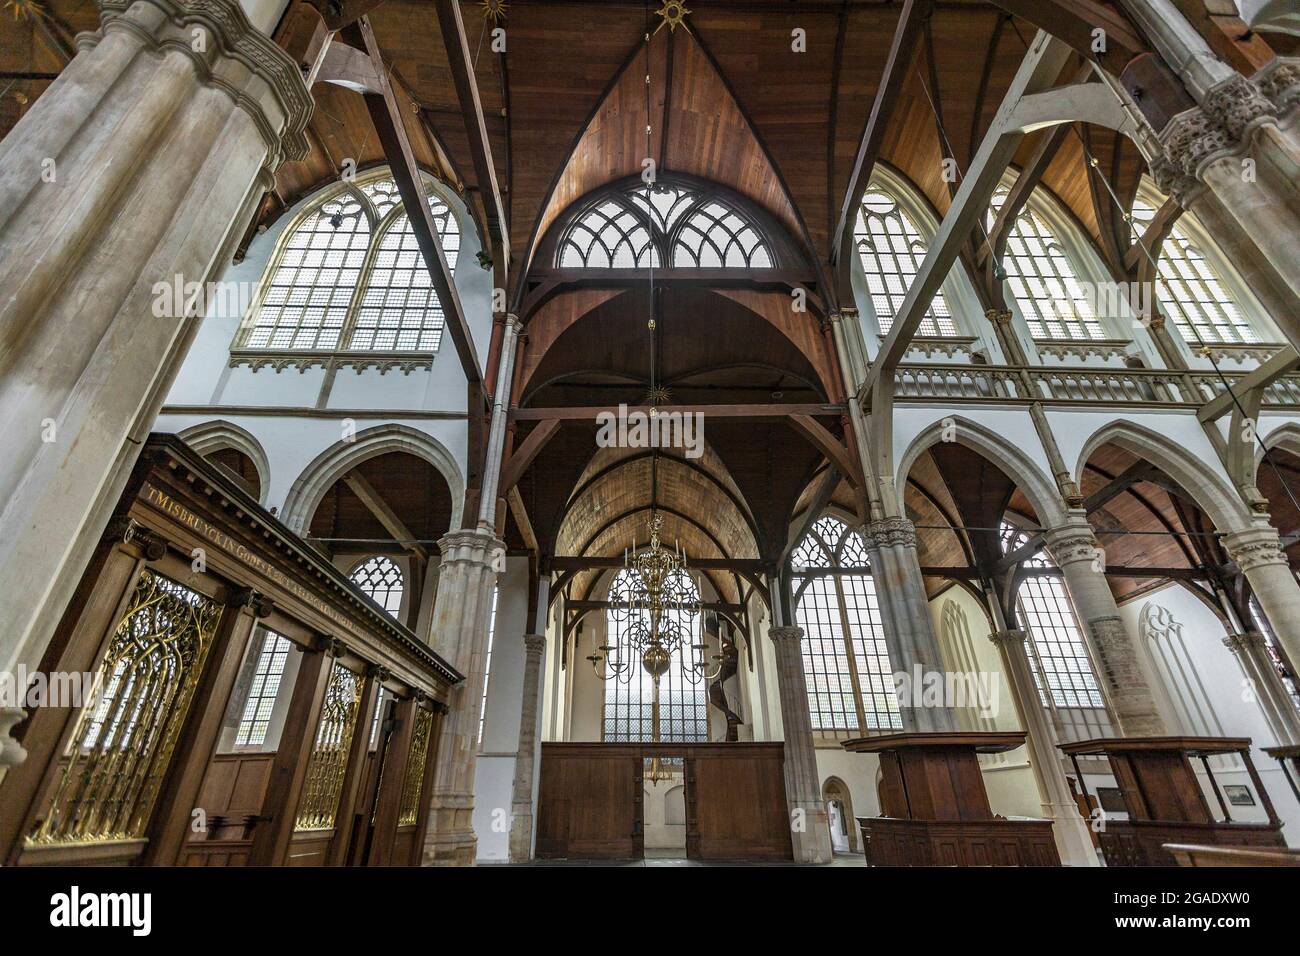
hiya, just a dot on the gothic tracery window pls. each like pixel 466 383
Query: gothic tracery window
pixel 1043 281
pixel 629 707
pixel 349 275
pixel 380 578
pixel 666 223
pixel 1190 291
pixel 1058 657
pixel 849 675
pixel 891 249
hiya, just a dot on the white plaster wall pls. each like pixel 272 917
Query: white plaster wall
pixel 1222 679
pixel 494 769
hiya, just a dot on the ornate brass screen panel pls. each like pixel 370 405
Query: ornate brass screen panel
pixel 329 758
pixel 123 740
pixel 409 809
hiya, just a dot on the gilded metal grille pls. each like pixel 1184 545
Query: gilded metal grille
pixel 329 758
pixel 123 741
pixel 409 809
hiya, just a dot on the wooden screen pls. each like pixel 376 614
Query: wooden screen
pixel 736 806
pixel 588 807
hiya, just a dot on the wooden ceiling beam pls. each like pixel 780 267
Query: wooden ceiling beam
pixel 593 562
pixel 1073 22
pixel 769 411
pixel 906 34
pixel 387 117
pixel 380 508
pixel 821 438
pixel 471 106
pixel 523 455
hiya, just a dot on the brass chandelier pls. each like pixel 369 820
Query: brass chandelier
pixel 657 605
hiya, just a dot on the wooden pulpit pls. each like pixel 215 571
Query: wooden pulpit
pixel 1165 801
pixel 935 810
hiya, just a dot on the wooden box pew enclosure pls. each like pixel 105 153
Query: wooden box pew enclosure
pixel 253 708
pixel 1166 803
pixel 590 803
pixel 935 810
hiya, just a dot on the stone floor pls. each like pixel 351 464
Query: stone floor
pixel 845 859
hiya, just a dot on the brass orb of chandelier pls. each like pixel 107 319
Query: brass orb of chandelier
pixel 657 605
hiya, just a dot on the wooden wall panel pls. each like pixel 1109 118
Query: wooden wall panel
pixel 736 804
pixel 586 806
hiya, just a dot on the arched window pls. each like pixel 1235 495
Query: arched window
pixel 850 679
pixel 348 275
pixel 1043 281
pixel 641 226
pixel 1189 290
pixel 255 721
pixel 1058 657
pixel 683 706
pixel 892 250
pixel 382 580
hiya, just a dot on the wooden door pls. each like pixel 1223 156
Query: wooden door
pixel 735 803
pixel 587 805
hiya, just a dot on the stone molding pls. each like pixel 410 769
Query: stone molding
pixel 471 546
pixel 891 533
pixel 238 59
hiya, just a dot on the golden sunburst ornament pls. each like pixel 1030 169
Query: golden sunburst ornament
pixel 494 10
pixel 674 14
pixel 25 9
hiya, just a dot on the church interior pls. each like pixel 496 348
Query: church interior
pixel 853 433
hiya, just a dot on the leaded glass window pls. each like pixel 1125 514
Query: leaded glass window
pixel 1058 656
pixel 644 226
pixel 683 705
pixel 1190 291
pixel 349 275
pixel 846 664
pixel 262 693
pixel 1043 281
pixel 892 250
pixel 381 579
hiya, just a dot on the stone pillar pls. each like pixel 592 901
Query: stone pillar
pixel 137 169
pixel 1234 162
pixel 1266 685
pixel 471 560
pixel 905 615
pixel 1127 685
pixel 521 804
pixel 1258 553
pixel 1069 828
pixel 809 828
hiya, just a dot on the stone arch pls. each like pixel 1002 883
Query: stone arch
pixel 1211 492
pixel 836 790
pixel 218 435
pixel 334 462
pixel 1040 489
pixel 1286 437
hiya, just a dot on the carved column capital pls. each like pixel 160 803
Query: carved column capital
pixel 1011 639
pixel 1244 642
pixel 234 57
pixel 1254 548
pixel 1073 541
pixel 472 546
pixel 11 751
pixel 786 636
pixel 534 644
pixel 999 316
pixel 1279 80
pixel 890 533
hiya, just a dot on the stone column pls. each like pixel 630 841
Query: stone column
pixel 809 828
pixel 521 804
pixel 905 615
pixel 1234 162
pixel 1258 552
pixel 1266 685
pixel 1127 685
pixel 1069 828
pixel 135 170
pixel 471 560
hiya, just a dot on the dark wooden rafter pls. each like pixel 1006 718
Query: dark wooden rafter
pixel 910 24
pixel 489 192
pixel 816 506
pixel 387 117
pixel 523 456
pixel 825 442
pixel 1073 22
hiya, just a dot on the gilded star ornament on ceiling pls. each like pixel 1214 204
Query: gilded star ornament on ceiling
pixel 494 10
pixel 25 9
pixel 674 14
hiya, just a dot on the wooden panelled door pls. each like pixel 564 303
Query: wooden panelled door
pixel 590 801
